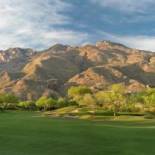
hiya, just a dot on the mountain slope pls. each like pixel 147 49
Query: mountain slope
pixel 14 59
pixel 31 74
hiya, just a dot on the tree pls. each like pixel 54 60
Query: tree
pixel 46 103
pixel 41 102
pixel 115 97
pixel 102 98
pixel 28 105
pixel 88 100
pixel 8 101
pixel 62 102
pixel 135 98
pixel 51 103
pixel 78 91
pixel 76 94
pixel 149 97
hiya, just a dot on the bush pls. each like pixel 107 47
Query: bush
pixel 8 101
pixel 62 102
pixel 27 105
pixel 45 103
pixel 78 91
pixel 87 100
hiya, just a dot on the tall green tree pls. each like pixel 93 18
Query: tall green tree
pixel 77 93
pixel 114 96
pixel 88 100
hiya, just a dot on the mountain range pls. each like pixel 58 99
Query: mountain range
pixel 30 74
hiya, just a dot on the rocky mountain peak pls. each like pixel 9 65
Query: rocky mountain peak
pixel 110 45
pixel 15 53
pixel 57 48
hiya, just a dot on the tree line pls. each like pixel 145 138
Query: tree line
pixel 114 99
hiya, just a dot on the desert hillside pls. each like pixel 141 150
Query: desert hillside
pixel 31 74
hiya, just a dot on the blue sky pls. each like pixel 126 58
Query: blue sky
pixel 39 24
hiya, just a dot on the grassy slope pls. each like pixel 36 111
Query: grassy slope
pixel 23 134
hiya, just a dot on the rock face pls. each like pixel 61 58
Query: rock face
pixel 31 74
pixel 14 59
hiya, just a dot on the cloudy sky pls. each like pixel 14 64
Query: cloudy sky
pixel 39 24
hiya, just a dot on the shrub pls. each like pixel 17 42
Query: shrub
pixel 78 91
pixel 27 105
pixel 87 100
pixel 46 103
pixel 8 101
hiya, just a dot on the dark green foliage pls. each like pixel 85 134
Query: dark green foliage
pixel 62 102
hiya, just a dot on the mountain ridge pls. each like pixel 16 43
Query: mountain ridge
pixel 31 74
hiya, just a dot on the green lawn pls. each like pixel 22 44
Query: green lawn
pixel 26 133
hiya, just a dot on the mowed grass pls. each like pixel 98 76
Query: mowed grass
pixel 26 133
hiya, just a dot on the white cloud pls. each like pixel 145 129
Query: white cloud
pixel 138 42
pixel 19 13
pixel 66 37
pixel 30 23
pixel 61 36
pixel 43 39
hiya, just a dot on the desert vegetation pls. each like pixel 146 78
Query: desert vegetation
pixel 114 101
